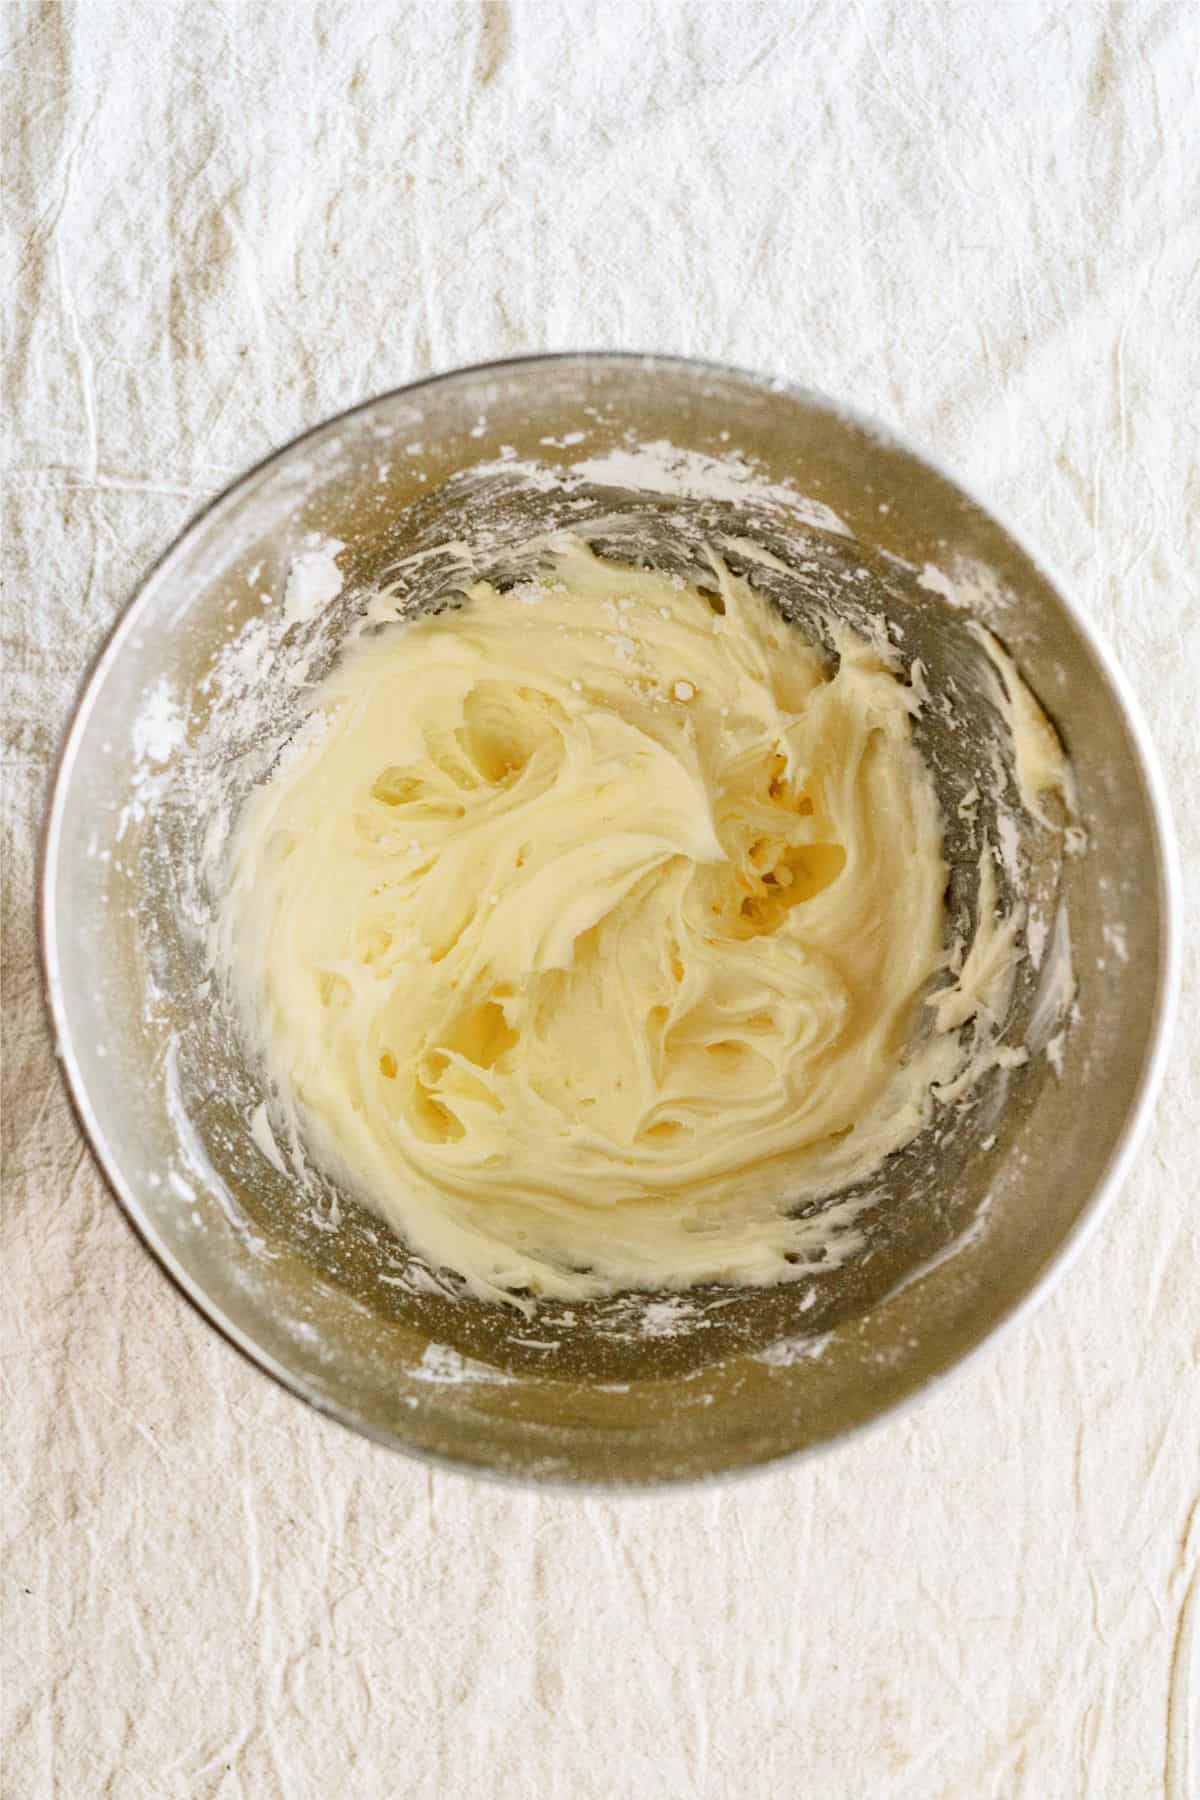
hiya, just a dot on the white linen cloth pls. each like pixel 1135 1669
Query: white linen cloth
pixel 979 221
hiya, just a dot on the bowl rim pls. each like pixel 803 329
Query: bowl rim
pixel 1071 1246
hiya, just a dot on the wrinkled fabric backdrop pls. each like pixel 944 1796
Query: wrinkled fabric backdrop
pixel 980 222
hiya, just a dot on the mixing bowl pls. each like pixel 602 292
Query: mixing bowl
pixel 205 677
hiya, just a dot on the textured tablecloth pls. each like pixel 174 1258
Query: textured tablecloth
pixel 979 221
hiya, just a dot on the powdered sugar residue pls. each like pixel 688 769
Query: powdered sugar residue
pixel 314 579
pixel 789 1351
pixel 440 1364
pixel 663 468
pixel 159 729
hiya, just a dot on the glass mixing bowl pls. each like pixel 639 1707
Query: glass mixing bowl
pixel 204 678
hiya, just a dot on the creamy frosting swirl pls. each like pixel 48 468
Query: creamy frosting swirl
pixel 587 932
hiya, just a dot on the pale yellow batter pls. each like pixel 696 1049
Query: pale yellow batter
pixel 591 931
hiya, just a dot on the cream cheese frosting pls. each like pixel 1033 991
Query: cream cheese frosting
pixel 589 930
